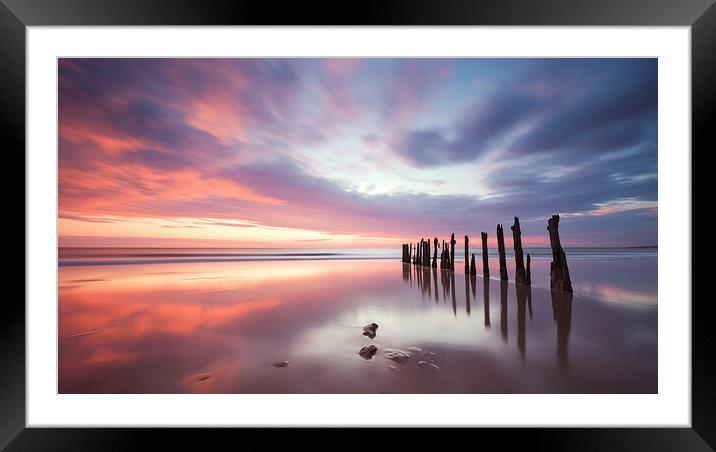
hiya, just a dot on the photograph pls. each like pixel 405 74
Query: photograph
pixel 363 225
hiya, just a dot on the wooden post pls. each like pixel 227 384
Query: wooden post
pixel 473 270
pixel 435 253
pixel 501 252
pixel 485 263
pixel 520 275
pixel 452 251
pixel 559 272
pixel 467 255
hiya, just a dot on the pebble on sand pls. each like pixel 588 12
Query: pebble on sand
pixel 369 330
pixel 280 364
pixel 368 352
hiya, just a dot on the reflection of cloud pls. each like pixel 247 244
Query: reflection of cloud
pixel 217 327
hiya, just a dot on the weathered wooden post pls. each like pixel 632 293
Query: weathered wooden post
pixel 485 262
pixel 467 255
pixel 452 251
pixel 473 270
pixel 559 272
pixel 426 259
pixel 519 256
pixel 410 253
pixel 435 255
pixel 501 252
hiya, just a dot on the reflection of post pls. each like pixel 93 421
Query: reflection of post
pixel 410 274
pixel 528 275
pixel 519 256
pixel 558 273
pixel 419 280
pixel 467 255
pixel 501 252
pixel 485 263
pixel 503 309
pixel 435 283
pixel 521 303
pixel 529 300
pixel 472 285
pixel 426 281
pixel 406 272
pixel 486 300
pixel 562 309
pixel 467 294
pixel 452 293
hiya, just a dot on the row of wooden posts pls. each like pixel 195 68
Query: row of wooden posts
pixel 559 273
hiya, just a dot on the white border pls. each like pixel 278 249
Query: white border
pixel 670 407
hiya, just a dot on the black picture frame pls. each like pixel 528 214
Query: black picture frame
pixel 700 15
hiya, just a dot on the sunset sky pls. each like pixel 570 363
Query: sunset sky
pixel 355 152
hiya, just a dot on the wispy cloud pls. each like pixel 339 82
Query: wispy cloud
pixel 359 150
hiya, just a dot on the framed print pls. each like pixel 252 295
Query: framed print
pixel 483 221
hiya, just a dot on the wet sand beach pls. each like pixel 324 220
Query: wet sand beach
pixel 227 327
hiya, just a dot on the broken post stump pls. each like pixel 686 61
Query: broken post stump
pixel 520 274
pixel 501 252
pixel 559 272
pixel 473 270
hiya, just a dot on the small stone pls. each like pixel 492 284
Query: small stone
pixel 393 368
pixel 280 364
pixel 369 330
pixel 396 355
pixel 202 377
pixel 368 352
pixel 415 349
